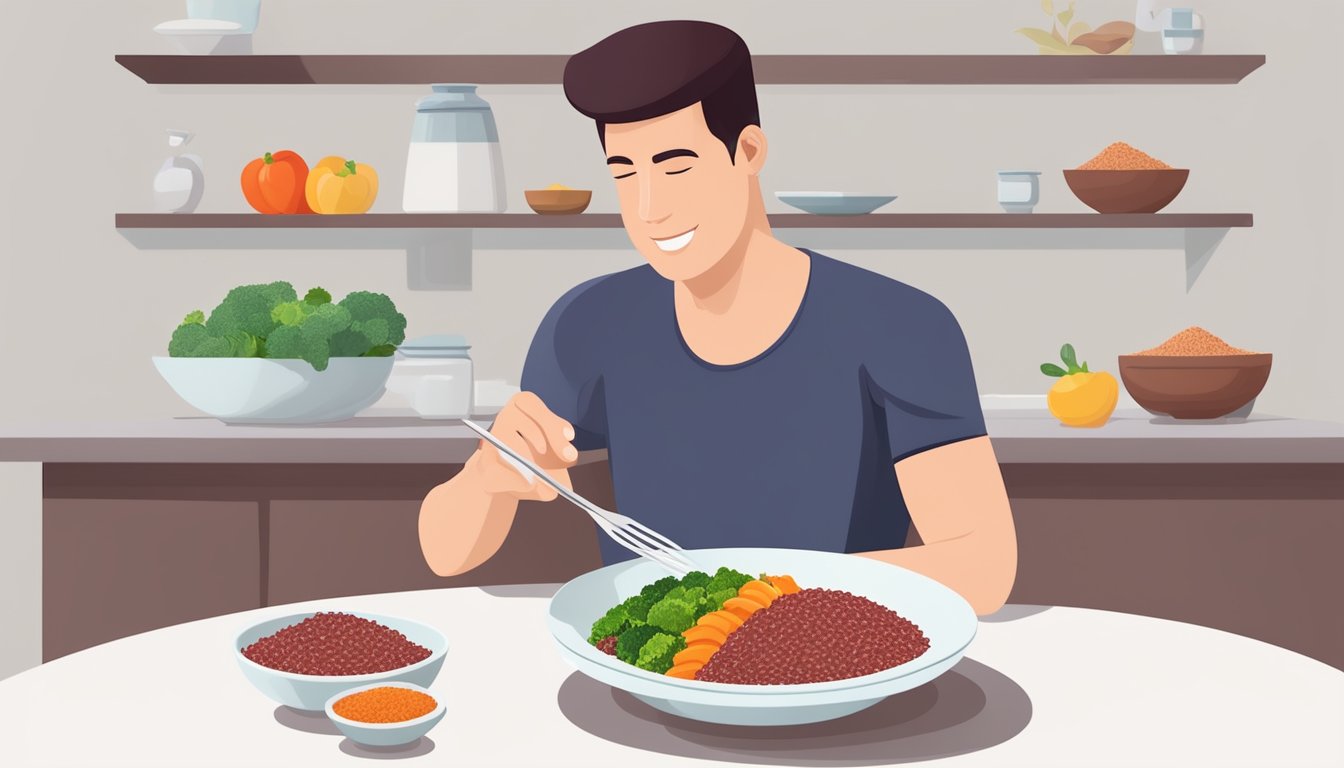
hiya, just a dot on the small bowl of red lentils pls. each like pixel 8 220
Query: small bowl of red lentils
pixel 385 714
pixel 1196 375
pixel 304 659
pixel 1122 179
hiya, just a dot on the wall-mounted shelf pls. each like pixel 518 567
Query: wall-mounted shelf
pixel 545 69
pixel 439 246
pixel 613 220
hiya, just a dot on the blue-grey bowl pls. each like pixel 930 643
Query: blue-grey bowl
pixel 385 734
pixel 944 617
pixel 311 692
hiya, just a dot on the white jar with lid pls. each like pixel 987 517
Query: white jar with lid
pixel 434 374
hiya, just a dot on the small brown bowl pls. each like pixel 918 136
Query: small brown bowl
pixel 1194 387
pixel 558 201
pixel 1127 191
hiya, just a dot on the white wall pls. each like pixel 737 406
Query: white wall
pixel 83 310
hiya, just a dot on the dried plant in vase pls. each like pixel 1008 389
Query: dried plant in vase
pixel 1069 37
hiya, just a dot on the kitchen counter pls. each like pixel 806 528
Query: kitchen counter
pixel 1233 525
pixel 1019 436
pixel 1038 687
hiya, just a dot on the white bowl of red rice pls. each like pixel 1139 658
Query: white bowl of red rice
pixel 945 619
pixel 302 660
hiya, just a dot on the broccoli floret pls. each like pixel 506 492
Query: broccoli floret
pixel 375 316
pixel 633 639
pixel 316 296
pixel 678 610
pixel 656 654
pixel 614 622
pixel 726 578
pixel 637 608
pixel 715 600
pixel 194 318
pixel 695 579
pixel 659 589
pixel 248 308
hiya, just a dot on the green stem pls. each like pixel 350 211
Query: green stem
pixel 268 159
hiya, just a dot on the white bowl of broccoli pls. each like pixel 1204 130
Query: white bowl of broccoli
pixel 264 356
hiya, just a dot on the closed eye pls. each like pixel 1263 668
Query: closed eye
pixel 624 175
pixel 674 173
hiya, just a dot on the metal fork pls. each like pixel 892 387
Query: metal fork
pixel 627 531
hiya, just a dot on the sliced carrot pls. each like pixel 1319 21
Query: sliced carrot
pixel 785 584
pixel 719 623
pixel 764 586
pixel 699 652
pixel 757 595
pixel 685 671
pixel 741 606
pixel 728 616
pixel 703 632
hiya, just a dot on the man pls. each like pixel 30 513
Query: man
pixel 749 393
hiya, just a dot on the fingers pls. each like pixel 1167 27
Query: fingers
pixel 555 431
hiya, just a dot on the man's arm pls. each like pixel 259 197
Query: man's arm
pixel 958 504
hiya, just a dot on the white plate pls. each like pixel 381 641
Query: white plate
pixel 943 615
pixel 200 27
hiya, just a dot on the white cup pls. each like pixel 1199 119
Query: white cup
pixel 443 396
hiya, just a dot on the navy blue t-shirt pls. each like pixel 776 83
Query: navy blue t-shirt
pixel 793 448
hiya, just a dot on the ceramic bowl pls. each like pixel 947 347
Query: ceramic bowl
pixel 941 614
pixel 1194 387
pixel 313 692
pixel 250 390
pixel 1147 191
pixel 200 37
pixel 385 734
pixel 834 203
pixel 558 201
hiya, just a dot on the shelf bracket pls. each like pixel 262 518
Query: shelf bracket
pixel 440 261
pixel 1199 247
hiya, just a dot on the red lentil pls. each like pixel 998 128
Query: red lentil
pixel 336 644
pixel 1122 157
pixel 1194 342
pixel 812 636
pixel 607 645
pixel 387 704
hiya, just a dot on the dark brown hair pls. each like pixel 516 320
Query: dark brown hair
pixel 654 69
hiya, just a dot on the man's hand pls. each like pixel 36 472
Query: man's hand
pixel 527 426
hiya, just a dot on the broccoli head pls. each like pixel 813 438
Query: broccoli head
pixel 376 317
pixel 726 578
pixel 695 579
pixel 316 296
pixel 715 600
pixel 657 652
pixel 248 308
pixel 614 622
pixel 678 609
pixel 632 640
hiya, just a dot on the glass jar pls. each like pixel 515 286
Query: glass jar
pixel 454 163
pixel 435 375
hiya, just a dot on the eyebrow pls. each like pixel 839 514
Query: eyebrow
pixel 619 160
pixel 671 153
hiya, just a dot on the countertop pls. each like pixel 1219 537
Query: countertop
pixel 1020 436
pixel 1039 687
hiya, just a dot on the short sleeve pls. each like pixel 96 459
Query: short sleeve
pixel 921 376
pixel 563 368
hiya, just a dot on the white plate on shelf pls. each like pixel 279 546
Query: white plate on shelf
pixel 206 36
pixel 834 203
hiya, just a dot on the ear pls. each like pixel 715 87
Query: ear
pixel 752 149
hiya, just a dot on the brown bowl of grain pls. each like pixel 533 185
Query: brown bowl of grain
pixel 558 199
pixel 1195 375
pixel 1121 179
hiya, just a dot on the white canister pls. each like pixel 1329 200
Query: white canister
pixel 434 374
pixel 454 163
pixel 1019 191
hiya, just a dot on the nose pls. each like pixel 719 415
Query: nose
pixel 651 210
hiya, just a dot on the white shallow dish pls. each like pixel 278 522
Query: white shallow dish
pixel 206 36
pixel 253 390
pixel 834 203
pixel 313 692
pixel 385 734
pixel 943 615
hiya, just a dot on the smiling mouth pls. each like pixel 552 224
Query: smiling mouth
pixel 674 244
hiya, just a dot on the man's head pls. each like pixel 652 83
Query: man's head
pixel 675 105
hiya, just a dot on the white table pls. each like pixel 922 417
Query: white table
pixel 1053 686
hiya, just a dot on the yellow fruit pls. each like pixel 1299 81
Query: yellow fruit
pixel 1084 399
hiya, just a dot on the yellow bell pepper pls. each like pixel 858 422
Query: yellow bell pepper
pixel 337 185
